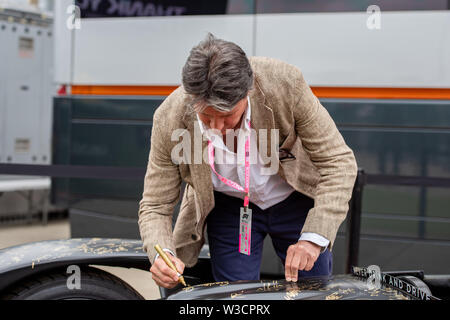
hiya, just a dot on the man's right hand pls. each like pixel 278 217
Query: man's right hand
pixel 163 275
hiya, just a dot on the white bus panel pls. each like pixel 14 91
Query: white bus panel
pixel 147 51
pixel 411 49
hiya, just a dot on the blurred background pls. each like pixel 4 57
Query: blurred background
pixel 80 81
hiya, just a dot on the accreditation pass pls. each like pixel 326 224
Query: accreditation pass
pixel 245 230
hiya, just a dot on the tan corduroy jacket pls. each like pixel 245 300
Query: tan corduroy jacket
pixel 324 169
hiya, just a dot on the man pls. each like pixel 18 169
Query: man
pixel 299 198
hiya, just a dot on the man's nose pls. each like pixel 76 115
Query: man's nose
pixel 216 123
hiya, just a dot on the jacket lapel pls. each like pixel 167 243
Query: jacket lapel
pixel 200 172
pixel 261 118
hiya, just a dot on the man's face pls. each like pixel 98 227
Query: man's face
pixel 222 121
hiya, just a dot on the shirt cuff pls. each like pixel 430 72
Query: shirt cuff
pixel 316 238
pixel 166 250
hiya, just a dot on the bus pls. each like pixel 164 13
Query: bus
pixel 380 68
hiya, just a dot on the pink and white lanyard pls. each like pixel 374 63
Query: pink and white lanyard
pixel 245 215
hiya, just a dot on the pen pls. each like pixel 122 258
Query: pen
pixel 169 263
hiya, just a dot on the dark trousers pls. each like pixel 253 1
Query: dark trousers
pixel 283 222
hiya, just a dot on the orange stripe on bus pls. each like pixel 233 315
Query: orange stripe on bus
pixel 320 92
pixel 123 90
pixel 382 93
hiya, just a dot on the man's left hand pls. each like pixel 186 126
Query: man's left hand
pixel 300 256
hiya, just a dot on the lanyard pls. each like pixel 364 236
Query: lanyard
pixel 231 183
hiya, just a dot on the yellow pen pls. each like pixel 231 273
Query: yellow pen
pixel 169 263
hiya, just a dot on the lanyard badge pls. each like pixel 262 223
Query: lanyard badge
pixel 245 220
pixel 245 230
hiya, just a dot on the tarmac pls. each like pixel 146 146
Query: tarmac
pixel 13 235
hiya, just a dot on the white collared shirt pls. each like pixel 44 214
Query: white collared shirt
pixel 265 190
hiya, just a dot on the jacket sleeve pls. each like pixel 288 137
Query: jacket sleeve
pixel 161 192
pixel 333 159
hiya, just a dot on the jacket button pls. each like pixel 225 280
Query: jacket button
pixel 194 237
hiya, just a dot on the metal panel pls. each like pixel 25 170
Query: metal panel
pixel 47 92
pixel 101 225
pixel 64 37
pixel 116 108
pixel 143 51
pixel 3 40
pixel 397 137
pixel 9 38
pixel 337 49
pixel 445 51
pixel 382 113
pixel 332 49
pixel 24 86
pixel 26 99
pixel 397 254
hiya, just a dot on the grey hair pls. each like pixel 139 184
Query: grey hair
pixel 217 73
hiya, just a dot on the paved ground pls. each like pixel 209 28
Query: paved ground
pixel 14 235
pixel 19 234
